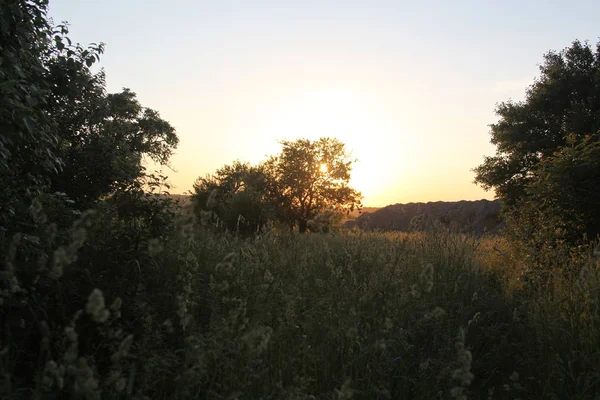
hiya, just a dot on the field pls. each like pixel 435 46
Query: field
pixel 347 314
pixel 369 316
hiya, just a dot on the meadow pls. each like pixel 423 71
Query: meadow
pixel 347 314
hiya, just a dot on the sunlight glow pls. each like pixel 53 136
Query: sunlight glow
pixel 372 134
pixel 323 168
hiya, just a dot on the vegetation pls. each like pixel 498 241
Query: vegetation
pixel 237 197
pixel 110 290
pixel 306 185
pixel 473 217
pixel 533 137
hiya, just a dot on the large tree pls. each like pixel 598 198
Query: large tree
pixel 103 149
pixel 27 135
pixel 309 177
pixel 564 101
pixel 102 138
pixel 60 130
pixel 306 179
pixel 546 164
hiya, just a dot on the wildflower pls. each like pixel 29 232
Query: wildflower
pixel 122 351
pixel 426 278
pixel 584 276
pixel 116 305
pixel 37 212
pixel 415 292
pixel 268 278
pixel 169 326
pixel 120 384
pixel 14 285
pixel 437 312
pixel 388 323
pixel 154 247
pixel 60 259
pixel 51 374
pixel 344 392
pixel 258 339
pixel 463 373
pixel 71 334
pixel 514 377
pixel 51 231
pixel 95 306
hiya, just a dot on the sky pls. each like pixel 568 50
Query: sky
pixel 409 86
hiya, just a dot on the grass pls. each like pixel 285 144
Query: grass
pixel 377 315
pixel 348 314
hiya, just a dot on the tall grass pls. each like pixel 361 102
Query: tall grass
pixel 381 316
pixel 342 315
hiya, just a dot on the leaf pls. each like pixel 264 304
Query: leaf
pixel 59 44
pixel 31 101
pixel 27 121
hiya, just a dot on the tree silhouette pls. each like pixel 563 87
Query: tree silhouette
pixel 563 101
pixel 309 177
pixel 546 165
pixel 304 180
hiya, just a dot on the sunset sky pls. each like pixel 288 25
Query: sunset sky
pixel 410 87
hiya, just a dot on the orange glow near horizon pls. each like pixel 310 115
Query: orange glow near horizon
pixel 393 162
pixel 348 115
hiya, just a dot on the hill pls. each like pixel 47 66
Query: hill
pixel 466 216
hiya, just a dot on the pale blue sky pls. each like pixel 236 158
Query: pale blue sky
pixel 410 87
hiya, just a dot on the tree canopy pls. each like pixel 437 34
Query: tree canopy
pixel 103 149
pixel 563 101
pixel 61 131
pixel 27 139
pixel 236 195
pixel 546 165
pixel 306 179
pixel 309 177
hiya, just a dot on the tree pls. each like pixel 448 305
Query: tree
pixel 562 201
pixel 103 148
pixel 27 136
pixel 308 177
pixel 305 180
pixel 102 138
pixel 564 101
pixel 546 169
pixel 236 195
pixel 61 132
